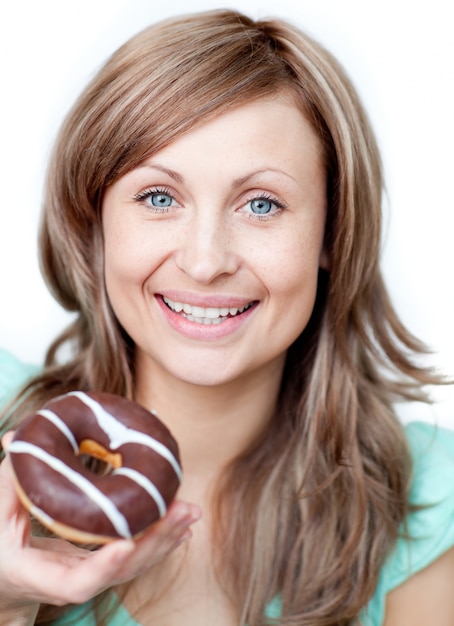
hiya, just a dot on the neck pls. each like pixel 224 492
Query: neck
pixel 212 424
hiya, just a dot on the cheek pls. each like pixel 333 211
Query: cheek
pixel 126 269
pixel 295 292
pixel 290 266
pixel 130 255
pixel 120 266
pixel 291 277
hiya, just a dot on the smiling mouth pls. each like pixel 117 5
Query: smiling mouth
pixel 205 315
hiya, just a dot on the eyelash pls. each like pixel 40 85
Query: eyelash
pixel 147 193
pixel 280 206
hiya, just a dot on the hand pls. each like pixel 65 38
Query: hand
pixel 36 570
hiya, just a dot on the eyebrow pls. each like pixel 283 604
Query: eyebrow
pixel 166 170
pixel 243 179
pixel 236 183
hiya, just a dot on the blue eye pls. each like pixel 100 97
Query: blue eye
pixel 160 199
pixel 156 199
pixel 261 206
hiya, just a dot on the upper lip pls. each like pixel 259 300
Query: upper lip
pixel 206 300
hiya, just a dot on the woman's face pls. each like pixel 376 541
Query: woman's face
pixel 213 245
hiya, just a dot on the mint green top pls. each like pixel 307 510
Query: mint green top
pixel 431 529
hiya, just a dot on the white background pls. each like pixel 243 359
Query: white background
pixel 400 55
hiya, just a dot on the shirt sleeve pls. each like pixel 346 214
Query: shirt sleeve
pixel 429 531
pixel 85 614
pixel 13 374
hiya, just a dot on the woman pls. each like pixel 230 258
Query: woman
pixel 213 216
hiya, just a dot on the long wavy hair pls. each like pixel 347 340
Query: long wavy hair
pixel 315 505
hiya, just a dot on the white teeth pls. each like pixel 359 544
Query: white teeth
pixel 204 320
pixel 204 315
pixel 197 311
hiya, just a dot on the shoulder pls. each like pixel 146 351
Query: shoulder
pixel 428 533
pixel 13 374
pixel 425 598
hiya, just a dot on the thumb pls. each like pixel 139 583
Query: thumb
pixel 12 510
pixel 6 439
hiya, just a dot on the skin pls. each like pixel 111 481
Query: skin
pixel 215 386
pixel 209 248
pixel 426 598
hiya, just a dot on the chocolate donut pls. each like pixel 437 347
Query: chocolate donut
pixel 60 491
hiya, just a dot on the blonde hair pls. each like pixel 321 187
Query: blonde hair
pixel 312 509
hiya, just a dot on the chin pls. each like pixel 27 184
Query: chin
pixel 206 379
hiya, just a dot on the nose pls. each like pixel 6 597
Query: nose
pixel 206 248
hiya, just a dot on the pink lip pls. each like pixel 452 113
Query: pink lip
pixel 204 300
pixel 203 332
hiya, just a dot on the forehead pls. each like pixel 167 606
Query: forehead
pixel 265 129
pixel 267 144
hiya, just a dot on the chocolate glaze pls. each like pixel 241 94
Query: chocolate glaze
pixel 61 499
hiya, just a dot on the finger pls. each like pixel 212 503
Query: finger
pixel 45 577
pixel 179 516
pixel 168 533
pixel 161 538
pixel 66 577
pixel 60 547
pixel 15 519
pixel 8 495
pixel 6 439
pixel 123 560
pixel 42 569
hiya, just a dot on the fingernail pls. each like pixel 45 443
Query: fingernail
pixel 194 513
pixel 186 516
pixel 188 520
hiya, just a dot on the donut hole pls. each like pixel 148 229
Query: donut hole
pixel 97 458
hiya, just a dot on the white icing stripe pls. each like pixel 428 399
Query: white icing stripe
pixel 117 519
pixel 60 424
pixel 40 515
pixel 119 434
pixel 146 484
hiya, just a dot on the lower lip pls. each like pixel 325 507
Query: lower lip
pixel 204 332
